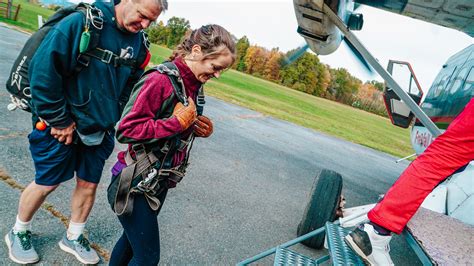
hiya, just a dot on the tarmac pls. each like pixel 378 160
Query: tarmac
pixel 245 191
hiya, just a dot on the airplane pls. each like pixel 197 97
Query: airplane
pixel 450 92
pixel 325 24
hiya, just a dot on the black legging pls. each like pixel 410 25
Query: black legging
pixel 140 240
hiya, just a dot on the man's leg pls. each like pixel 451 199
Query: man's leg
pixel 89 165
pixel 19 238
pixel 82 200
pixel 53 164
pixel 31 199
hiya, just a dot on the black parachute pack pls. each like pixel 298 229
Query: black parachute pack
pixel 18 84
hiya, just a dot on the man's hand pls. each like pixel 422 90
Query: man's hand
pixel 203 127
pixel 186 115
pixel 64 134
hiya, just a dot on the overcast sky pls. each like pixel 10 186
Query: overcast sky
pixel 272 23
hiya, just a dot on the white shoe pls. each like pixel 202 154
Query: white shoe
pixel 371 247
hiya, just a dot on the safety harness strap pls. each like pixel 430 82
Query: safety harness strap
pixel 144 173
pixel 124 199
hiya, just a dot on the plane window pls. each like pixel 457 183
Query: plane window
pixel 462 95
pixel 458 82
pixel 439 89
pixel 469 84
pixel 434 103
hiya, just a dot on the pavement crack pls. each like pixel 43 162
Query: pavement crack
pixel 104 253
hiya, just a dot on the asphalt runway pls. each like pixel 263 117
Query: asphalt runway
pixel 245 192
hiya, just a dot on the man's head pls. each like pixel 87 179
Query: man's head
pixel 136 15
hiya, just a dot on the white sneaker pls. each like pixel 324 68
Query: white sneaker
pixel 80 248
pixel 371 247
pixel 20 248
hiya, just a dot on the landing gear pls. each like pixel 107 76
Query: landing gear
pixel 324 205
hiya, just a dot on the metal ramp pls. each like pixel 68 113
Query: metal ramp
pixel 285 256
pixel 339 252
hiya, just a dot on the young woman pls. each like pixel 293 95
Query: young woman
pixel 153 116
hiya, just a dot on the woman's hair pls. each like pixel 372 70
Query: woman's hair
pixel 212 39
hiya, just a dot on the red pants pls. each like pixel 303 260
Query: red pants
pixel 450 151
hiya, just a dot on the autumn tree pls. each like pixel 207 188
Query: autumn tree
pixel 272 66
pixel 255 60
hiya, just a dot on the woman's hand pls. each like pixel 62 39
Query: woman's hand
pixel 203 127
pixel 186 115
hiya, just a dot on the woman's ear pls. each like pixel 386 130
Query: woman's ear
pixel 196 52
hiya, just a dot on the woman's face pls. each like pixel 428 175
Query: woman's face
pixel 212 67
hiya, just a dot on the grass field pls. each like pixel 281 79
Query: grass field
pixel 280 102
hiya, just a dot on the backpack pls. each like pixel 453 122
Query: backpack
pixel 18 84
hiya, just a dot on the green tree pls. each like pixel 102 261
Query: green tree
pixel 158 33
pixel 177 28
pixel 343 85
pixel 378 85
pixel 241 49
pixel 305 73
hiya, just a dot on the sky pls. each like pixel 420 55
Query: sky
pixel 272 23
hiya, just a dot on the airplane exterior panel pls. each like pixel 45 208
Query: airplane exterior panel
pixel 460 201
pixel 456 14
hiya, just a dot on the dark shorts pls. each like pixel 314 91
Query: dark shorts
pixel 56 162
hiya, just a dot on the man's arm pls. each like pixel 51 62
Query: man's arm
pixel 50 68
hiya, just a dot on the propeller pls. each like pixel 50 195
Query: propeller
pixel 297 54
pixel 301 50
pixel 358 55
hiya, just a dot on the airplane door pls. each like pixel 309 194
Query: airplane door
pixel 398 111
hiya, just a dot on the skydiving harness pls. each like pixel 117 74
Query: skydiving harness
pixel 151 169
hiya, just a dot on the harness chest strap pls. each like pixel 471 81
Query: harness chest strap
pixel 106 56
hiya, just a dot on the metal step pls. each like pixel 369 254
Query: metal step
pixel 340 253
pixel 285 256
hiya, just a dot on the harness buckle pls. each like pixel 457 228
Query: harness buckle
pixel 144 185
pixel 83 60
pixel 107 56
pixel 95 15
pixel 200 100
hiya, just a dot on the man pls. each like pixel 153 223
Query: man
pixel 449 152
pixel 80 110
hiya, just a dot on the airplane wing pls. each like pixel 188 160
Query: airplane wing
pixel 455 14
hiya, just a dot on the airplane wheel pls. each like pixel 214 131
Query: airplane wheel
pixel 323 204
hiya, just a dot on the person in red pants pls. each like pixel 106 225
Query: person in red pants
pixel 449 152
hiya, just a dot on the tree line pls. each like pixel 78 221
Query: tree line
pixel 300 72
